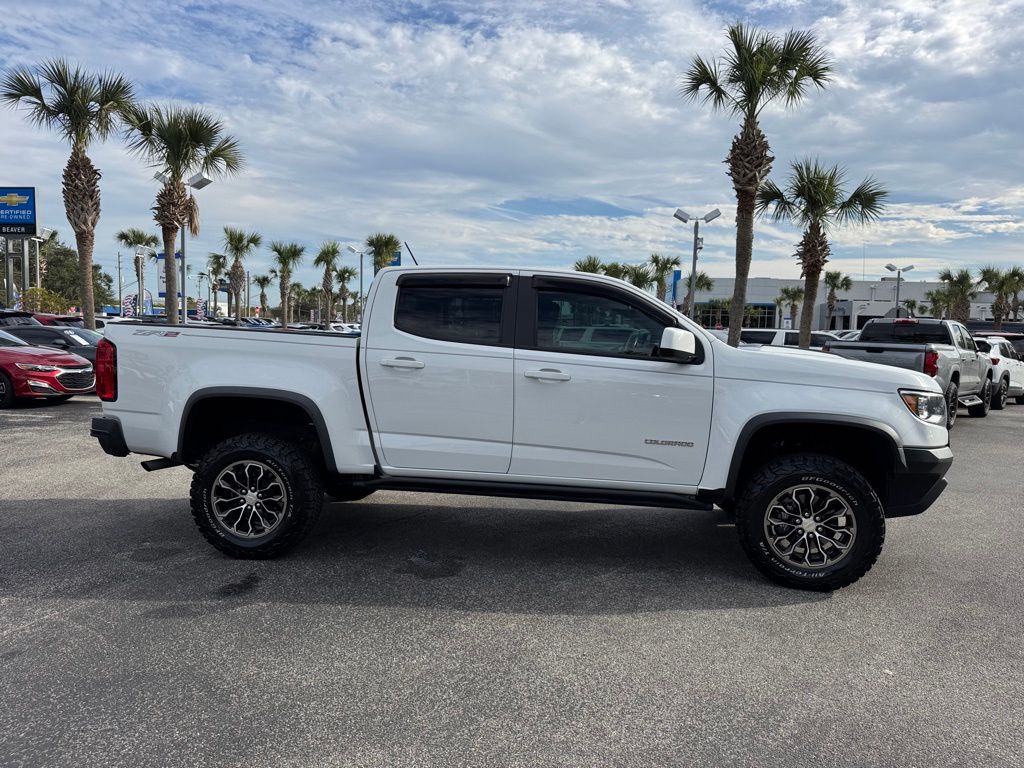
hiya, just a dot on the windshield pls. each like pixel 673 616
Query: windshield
pixel 83 337
pixel 7 340
pixel 906 333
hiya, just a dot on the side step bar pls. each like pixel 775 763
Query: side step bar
pixel 536 491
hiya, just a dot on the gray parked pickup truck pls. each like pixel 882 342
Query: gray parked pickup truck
pixel 943 349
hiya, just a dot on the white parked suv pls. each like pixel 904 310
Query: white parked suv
pixel 532 384
pixel 1007 370
pixel 784 337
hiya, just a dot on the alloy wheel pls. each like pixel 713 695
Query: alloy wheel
pixel 810 526
pixel 249 499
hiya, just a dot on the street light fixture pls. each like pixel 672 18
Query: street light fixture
pixel 698 243
pixel 899 278
pixel 352 249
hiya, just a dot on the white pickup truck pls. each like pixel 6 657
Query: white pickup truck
pixel 532 384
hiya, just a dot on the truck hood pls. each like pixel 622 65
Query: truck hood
pixel 811 368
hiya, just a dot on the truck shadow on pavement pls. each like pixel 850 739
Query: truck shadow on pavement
pixel 497 556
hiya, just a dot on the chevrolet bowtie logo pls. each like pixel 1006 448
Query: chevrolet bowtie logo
pixel 12 199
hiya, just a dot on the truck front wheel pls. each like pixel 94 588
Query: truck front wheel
pixel 255 496
pixel 811 522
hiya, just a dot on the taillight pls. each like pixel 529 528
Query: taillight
pixel 106 371
pixel 995 360
pixel 931 363
pixel 825 348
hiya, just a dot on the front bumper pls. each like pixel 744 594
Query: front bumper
pixel 913 489
pixel 108 432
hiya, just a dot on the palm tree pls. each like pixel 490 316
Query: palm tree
pixel 615 269
pixel 180 142
pixel 661 268
pixel 779 301
pixel 287 256
pixel 384 247
pixel 911 305
pixel 702 282
pixel 940 301
pixel 345 275
pixel 263 282
pixel 923 309
pixel 758 69
pixel 639 275
pixel 590 264
pixel 83 108
pixel 959 293
pixel 328 257
pixel 793 296
pixel 238 244
pixel 1004 284
pixel 216 267
pixel 815 199
pixel 835 281
pixel 135 238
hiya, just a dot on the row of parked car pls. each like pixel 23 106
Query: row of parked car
pixel 53 356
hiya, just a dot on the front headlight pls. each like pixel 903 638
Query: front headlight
pixel 927 406
pixel 36 368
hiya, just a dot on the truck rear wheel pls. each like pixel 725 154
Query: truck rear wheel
pixel 255 496
pixel 811 522
pixel 981 409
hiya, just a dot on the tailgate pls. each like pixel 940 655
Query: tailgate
pixel 908 356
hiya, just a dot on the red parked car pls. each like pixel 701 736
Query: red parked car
pixel 38 372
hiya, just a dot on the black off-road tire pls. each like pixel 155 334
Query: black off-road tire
pixel 952 403
pixel 779 474
pixel 981 409
pixel 999 397
pixel 6 391
pixel 298 474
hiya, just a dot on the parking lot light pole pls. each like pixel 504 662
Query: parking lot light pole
pixel 361 254
pixel 698 243
pixel 899 278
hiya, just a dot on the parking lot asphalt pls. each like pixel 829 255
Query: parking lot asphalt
pixel 431 630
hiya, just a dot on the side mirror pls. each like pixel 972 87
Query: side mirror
pixel 678 344
pixel 59 342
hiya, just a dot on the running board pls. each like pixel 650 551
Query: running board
pixel 537 491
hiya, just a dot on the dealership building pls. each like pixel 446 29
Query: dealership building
pixel 866 300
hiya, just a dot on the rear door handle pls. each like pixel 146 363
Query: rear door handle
pixel 402 362
pixel 548 374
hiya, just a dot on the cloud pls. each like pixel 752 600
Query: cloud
pixel 433 119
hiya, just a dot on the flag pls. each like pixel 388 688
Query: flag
pixel 18 303
pixel 128 308
pixel 200 308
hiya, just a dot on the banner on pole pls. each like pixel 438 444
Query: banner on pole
pixel 161 275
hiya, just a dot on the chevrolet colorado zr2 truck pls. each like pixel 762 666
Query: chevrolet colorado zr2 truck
pixel 533 384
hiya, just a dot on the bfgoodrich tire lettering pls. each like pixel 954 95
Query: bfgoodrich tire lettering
pixel 835 479
pixel 294 479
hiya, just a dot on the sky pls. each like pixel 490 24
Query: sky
pixel 529 133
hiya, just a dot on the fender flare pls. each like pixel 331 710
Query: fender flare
pixel 757 423
pixel 261 393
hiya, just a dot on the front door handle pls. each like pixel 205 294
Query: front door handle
pixel 402 362
pixel 548 374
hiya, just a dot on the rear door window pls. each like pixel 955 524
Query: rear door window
pixel 905 333
pixel 757 337
pixel 467 311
